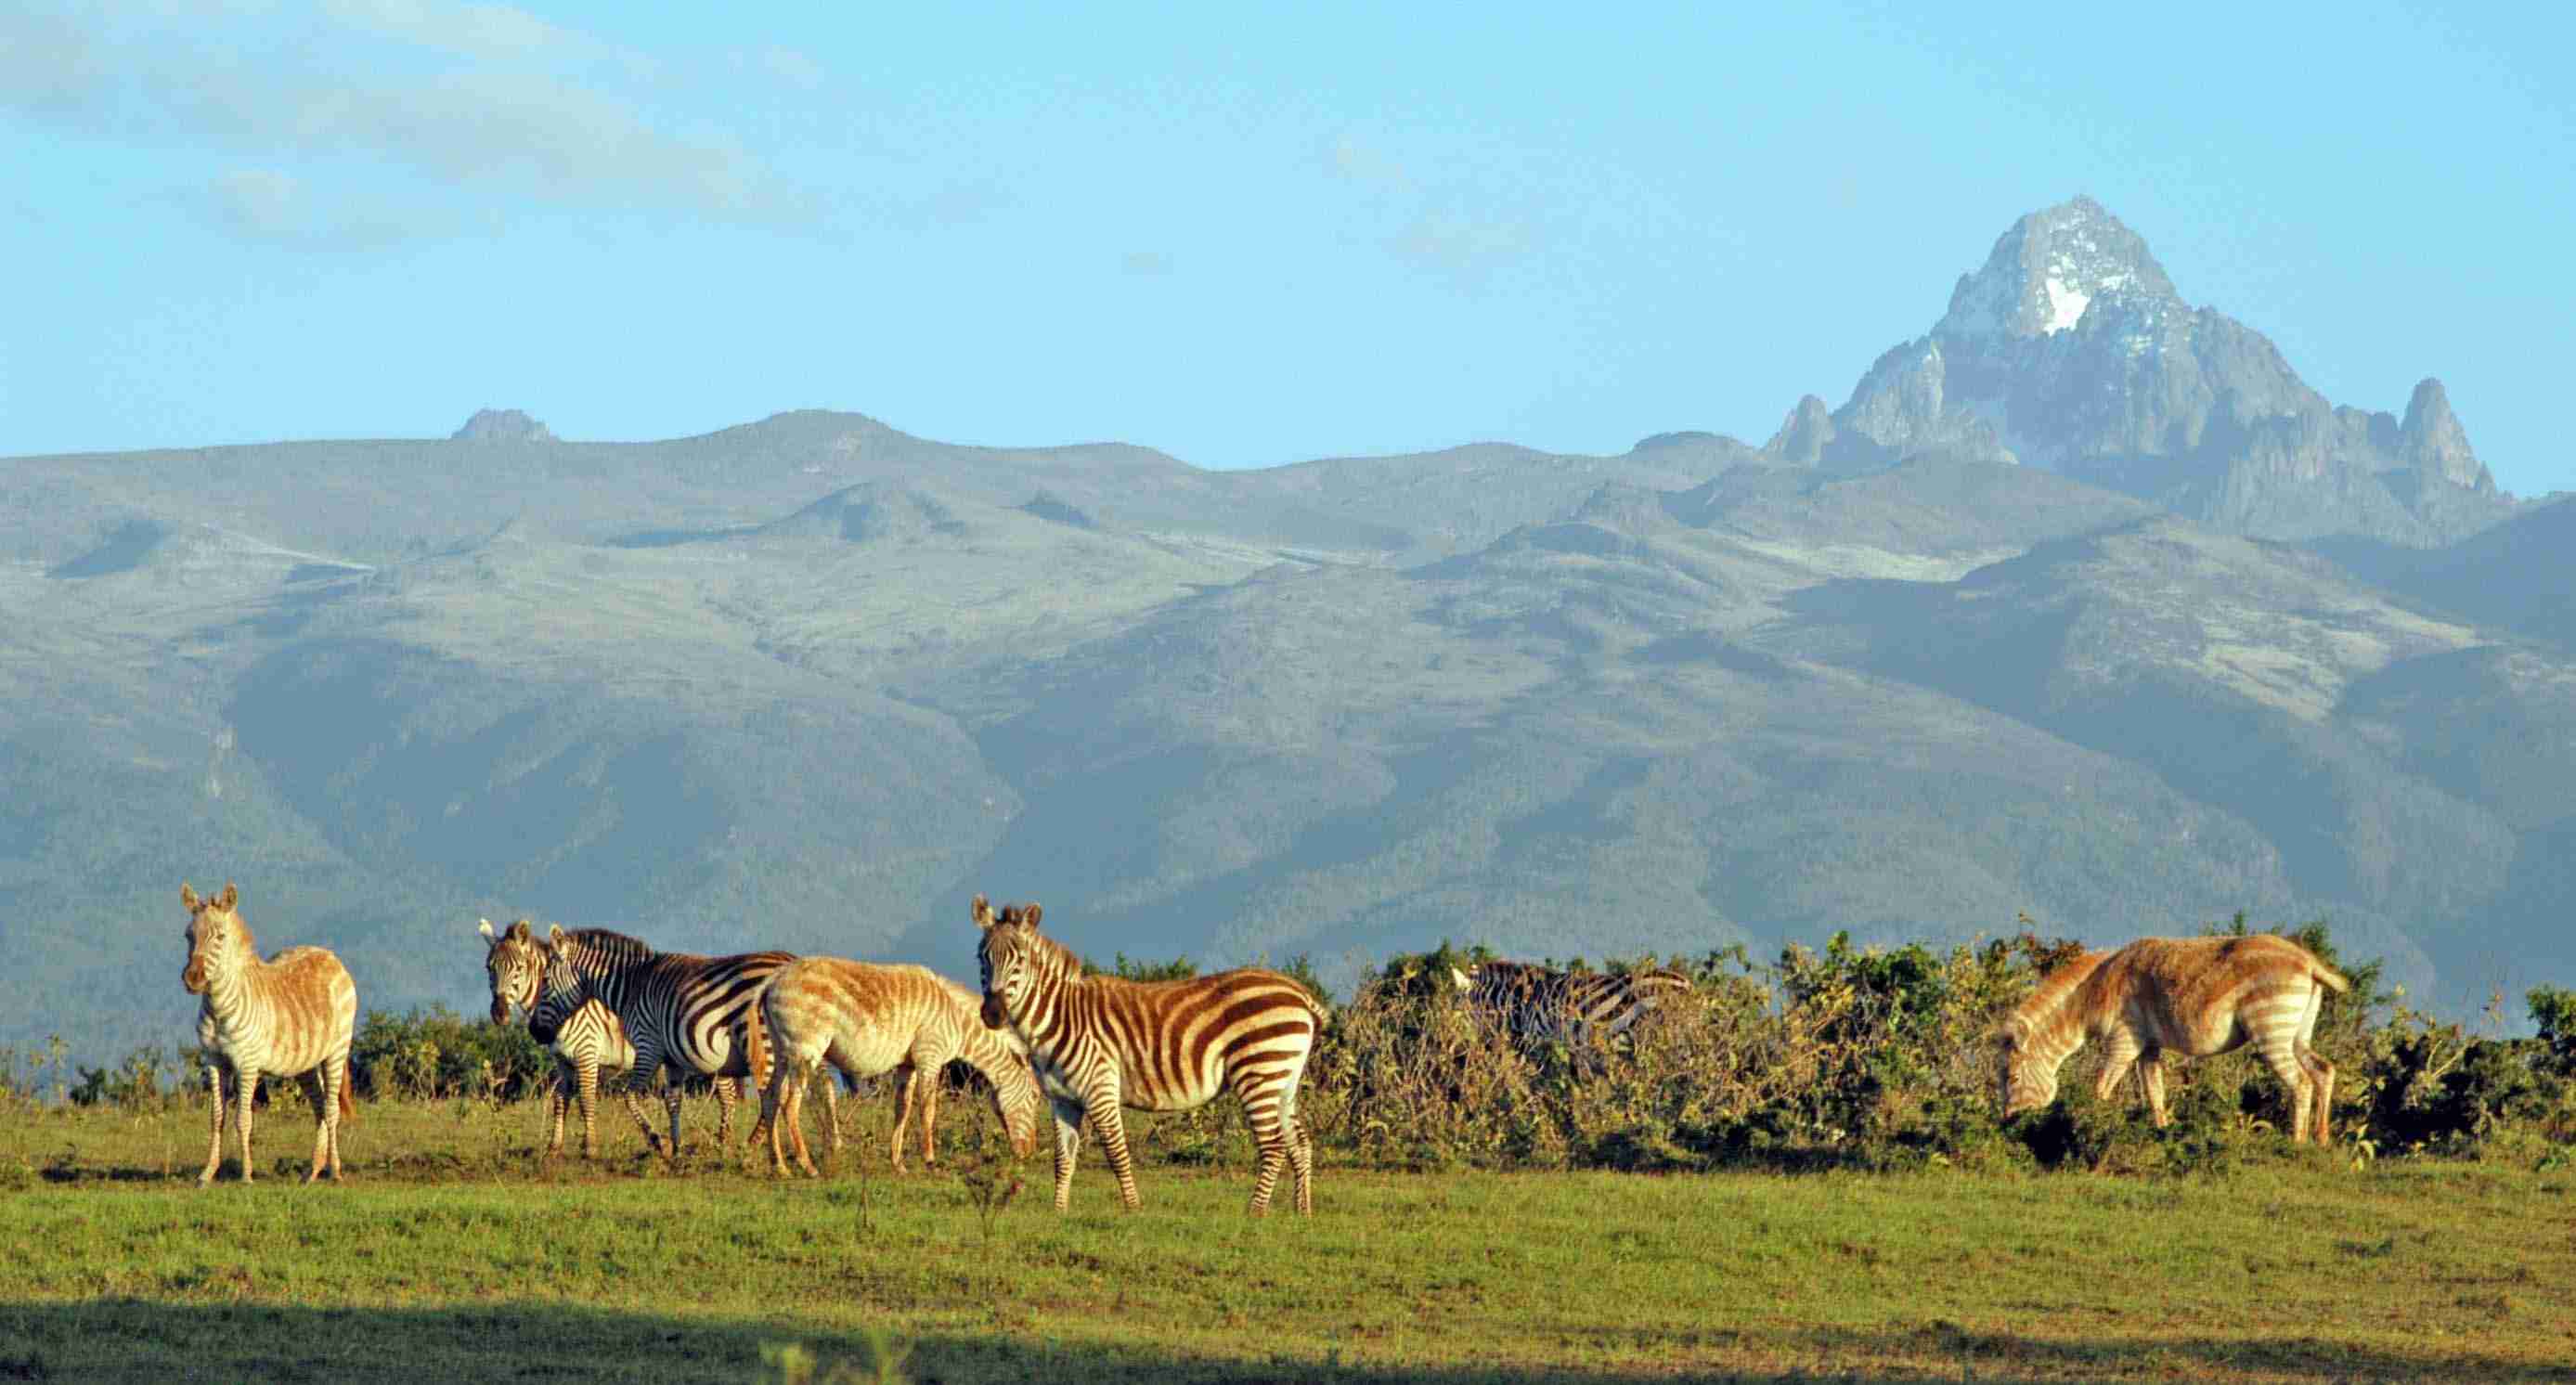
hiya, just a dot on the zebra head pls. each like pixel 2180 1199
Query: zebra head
pixel 512 962
pixel 1012 958
pixel 559 992
pixel 216 936
pixel 2022 1082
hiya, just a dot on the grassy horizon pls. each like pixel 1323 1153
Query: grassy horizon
pixel 452 1252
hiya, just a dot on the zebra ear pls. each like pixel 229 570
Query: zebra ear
pixel 486 929
pixel 520 930
pixel 187 897
pixel 228 898
pixel 982 909
pixel 1465 982
pixel 1029 915
pixel 554 935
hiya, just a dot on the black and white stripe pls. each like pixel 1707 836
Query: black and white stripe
pixel 1536 1006
pixel 1099 1043
pixel 685 1015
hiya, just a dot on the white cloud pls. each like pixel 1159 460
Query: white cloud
pixel 491 31
pixel 273 207
pixel 497 127
pixel 1146 263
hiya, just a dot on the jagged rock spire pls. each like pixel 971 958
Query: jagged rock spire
pixel 2048 268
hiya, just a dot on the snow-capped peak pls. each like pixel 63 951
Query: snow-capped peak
pixel 2048 269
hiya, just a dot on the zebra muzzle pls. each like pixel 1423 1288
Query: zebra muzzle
pixel 193 978
pixel 992 1011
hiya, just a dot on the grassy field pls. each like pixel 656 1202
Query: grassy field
pixel 453 1253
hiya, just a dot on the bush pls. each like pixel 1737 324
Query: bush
pixel 1879 1058
pixel 435 1052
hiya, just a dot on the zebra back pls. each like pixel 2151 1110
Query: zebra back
pixel 1535 1005
pixel 699 1014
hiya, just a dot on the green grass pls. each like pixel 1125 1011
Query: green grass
pixel 453 1254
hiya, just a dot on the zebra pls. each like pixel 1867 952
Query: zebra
pixel 1536 1006
pixel 866 1019
pixel 585 1042
pixel 1100 1043
pixel 684 1014
pixel 2193 996
pixel 293 1015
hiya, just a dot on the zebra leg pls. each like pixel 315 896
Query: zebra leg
pixel 245 1086
pixel 728 1091
pixel 831 1111
pixel 1105 1118
pixel 1068 1147
pixel 335 1082
pixel 317 1091
pixel 1273 1129
pixel 1301 1163
pixel 2281 1056
pixel 2119 1055
pixel 906 1078
pixel 766 1128
pixel 217 1078
pixel 586 1089
pixel 2151 1075
pixel 795 1117
pixel 2321 1076
pixel 559 1094
pixel 929 1079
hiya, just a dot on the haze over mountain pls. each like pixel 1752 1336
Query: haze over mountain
pixel 2022 627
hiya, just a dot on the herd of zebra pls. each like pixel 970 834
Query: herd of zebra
pixel 1045 1031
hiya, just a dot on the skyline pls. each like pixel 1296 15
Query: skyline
pixel 1245 239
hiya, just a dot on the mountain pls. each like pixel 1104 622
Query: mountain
pixel 812 682
pixel 2071 349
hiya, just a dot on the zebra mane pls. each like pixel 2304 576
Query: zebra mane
pixel 606 948
pixel 2055 991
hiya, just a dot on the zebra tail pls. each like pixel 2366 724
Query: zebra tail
pixel 348 1105
pixel 2329 978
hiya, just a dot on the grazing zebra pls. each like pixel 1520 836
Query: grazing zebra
pixel 2194 996
pixel 1535 1006
pixel 585 1042
pixel 685 1014
pixel 1100 1042
pixel 290 1016
pixel 866 1019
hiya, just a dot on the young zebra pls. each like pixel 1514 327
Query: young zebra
pixel 685 1014
pixel 864 1020
pixel 1099 1043
pixel 585 1039
pixel 2194 996
pixel 293 1015
pixel 1536 1006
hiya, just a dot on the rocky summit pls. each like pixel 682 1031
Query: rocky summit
pixel 502 425
pixel 2071 349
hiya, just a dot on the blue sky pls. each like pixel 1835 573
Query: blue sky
pixel 1245 236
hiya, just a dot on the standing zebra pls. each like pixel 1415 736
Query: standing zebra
pixel 685 1014
pixel 586 1040
pixel 1100 1042
pixel 2194 996
pixel 1535 1006
pixel 867 1019
pixel 293 1015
